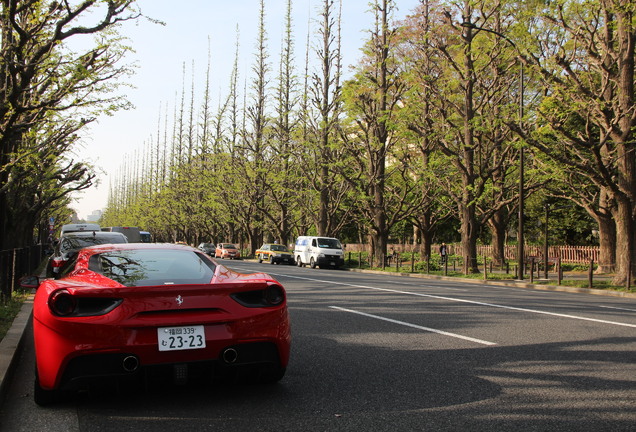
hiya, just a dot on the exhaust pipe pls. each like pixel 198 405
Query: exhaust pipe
pixel 229 355
pixel 130 363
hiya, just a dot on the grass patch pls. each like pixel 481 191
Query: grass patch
pixel 9 309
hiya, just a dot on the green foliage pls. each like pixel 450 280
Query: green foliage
pixel 9 309
pixel 53 91
pixel 424 138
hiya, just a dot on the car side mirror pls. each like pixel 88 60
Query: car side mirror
pixel 29 282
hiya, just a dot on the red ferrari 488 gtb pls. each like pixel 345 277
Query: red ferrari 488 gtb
pixel 124 310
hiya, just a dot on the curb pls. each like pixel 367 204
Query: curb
pixel 11 345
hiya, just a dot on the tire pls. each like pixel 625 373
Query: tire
pixel 299 262
pixel 260 258
pixel 271 259
pixel 312 263
pixel 41 396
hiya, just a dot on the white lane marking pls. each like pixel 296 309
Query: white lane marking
pixel 428 329
pixel 617 308
pixel 428 286
pixel 560 315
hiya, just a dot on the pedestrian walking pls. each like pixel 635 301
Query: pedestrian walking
pixel 443 253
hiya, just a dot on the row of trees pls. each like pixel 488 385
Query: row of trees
pixel 60 67
pixel 444 113
pixel 430 128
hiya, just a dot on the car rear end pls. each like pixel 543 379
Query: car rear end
pixel 84 332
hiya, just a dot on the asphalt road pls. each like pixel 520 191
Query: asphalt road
pixel 387 353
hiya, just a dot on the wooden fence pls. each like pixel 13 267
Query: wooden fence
pixel 568 254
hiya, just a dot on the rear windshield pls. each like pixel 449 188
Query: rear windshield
pixel 148 267
pixel 280 248
pixel 75 243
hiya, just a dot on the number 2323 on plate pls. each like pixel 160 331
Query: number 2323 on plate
pixel 181 338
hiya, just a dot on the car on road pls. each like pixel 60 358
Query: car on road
pixel 275 254
pixel 136 311
pixel 226 250
pixel 69 228
pixel 322 252
pixel 68 244
pixel 208 248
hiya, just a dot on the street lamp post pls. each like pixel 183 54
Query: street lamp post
pixel 520 239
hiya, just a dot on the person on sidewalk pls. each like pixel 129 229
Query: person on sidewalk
pixel 443 253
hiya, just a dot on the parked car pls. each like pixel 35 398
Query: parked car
pixel 68 245
pixel 138 311
pixel 226 250
pixel 208 248
pixel 275 254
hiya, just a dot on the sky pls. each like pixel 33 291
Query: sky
pixel 192 27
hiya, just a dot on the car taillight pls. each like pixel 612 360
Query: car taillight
pixel 273 295
pixel 63 304
pixel 57 263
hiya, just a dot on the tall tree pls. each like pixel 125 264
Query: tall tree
pixel 326 101
pixel 467 95
pixel 42 81
pixel 281 169
pixel 586 55
pixel 373 98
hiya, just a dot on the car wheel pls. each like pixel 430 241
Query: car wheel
pixel 299 262
pixel 312 263
pixel 260 258
pixel 271 259
pixel 43 397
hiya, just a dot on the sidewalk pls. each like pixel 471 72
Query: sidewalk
pixel 538 283
pixel 11 344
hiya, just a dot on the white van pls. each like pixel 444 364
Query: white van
pixel 324 252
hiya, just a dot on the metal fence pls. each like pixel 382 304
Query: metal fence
pixel 16 263
pixel 567 254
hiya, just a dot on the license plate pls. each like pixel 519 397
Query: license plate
pixel 181 338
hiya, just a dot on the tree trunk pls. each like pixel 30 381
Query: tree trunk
pixel 497 225
pixel 624 242
pixel 425 235
pixel 607 243
pixel 469 238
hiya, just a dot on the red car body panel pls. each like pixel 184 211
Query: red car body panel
pixel 131 327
